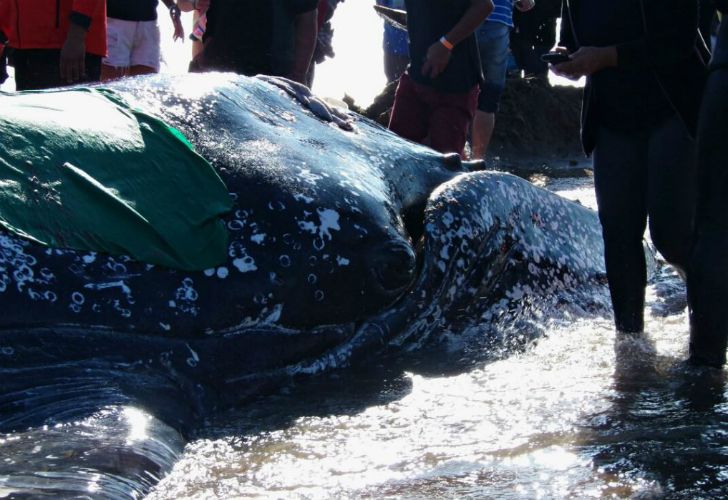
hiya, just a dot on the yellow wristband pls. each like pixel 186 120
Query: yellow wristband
pixel 447 44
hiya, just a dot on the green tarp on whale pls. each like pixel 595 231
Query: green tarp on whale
pixel 80 169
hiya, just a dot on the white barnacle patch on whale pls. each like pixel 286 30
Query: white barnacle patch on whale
pixel 194 358
pixel 120 284
pixel 273 316
pixel 4 280
pixel 448 218
pixel 117 303
pixel 258 238
pixel 245 264
pixel 186 297
pixel 303 198
pixel 222 272
pixel 276 206
pixel 328 221
pixel 342 261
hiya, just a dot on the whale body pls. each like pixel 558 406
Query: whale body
pixel 345 240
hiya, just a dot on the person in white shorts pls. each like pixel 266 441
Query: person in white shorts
pixel 133 38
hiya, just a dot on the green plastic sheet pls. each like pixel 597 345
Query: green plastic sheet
pixel 80 169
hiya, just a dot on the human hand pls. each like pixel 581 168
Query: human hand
pixel 586 61
pixel 436 60
pixel 179 31
pixel 73 55
pixel 525 5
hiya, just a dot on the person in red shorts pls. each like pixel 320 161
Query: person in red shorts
pixel 436 98
pixel 55 42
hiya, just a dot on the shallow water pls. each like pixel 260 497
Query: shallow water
pixel 576 413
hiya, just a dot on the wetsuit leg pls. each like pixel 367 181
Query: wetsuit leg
pixel 620 179
pixel 708 278
pixel 671 191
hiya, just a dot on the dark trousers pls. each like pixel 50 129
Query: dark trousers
pixel 708 277
pixel 37 69
pixel 641 174
pixel 421 112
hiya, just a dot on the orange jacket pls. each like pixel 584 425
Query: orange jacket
pixel 43 24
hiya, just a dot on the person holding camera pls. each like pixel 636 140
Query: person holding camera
pixel 646 68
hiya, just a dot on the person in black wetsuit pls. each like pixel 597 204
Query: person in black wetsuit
pixel 645 68
pixel 708 278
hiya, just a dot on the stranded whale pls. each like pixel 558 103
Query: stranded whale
pixel 343 240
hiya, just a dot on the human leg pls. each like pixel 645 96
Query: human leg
pixel 620 180
pixel 483 127
pixel 493 39
pixel 671 191
pixel 450 120
pixel 708 276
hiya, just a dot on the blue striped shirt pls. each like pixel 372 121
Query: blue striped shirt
pixel 502 13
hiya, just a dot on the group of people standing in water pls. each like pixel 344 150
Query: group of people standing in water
pixel 654 115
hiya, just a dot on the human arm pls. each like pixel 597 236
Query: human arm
pixel 586 61
pixel 73 53
pixel 438 55
pixel 190 5
pixel 174 14
pixel 306 29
